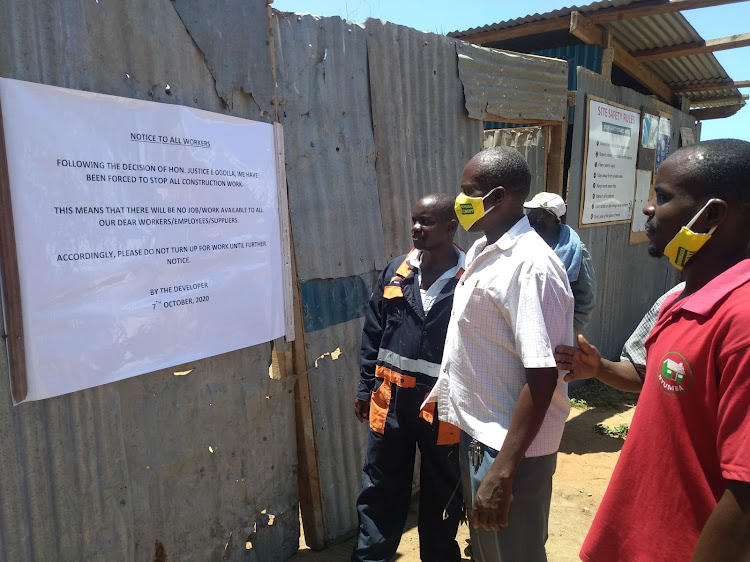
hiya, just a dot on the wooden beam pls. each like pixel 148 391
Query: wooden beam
pixel 555 138
pixel 608 56
pixel 523 30
pixel 645 9
pixel 12 282
pixel 592 34
pixel 716 112
pixel 694 48
pixel 642 9
pixel 308 463
pixel 706 87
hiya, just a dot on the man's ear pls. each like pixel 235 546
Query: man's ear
pixel 716 213
pixel 452 226
pixel 497 196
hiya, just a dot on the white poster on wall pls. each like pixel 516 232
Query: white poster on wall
pixel 609 176
pixel 147 234
pixel 642 194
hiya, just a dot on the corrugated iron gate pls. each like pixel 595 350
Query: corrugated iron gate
pixel 375 116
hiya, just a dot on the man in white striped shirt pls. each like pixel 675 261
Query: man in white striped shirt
pixel 498 383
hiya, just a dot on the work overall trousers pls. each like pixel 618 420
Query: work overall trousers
pixel 409 349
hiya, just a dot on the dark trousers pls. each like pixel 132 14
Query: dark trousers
pixel 383 504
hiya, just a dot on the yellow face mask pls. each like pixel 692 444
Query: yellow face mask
pixel 470 209
pixel 686 242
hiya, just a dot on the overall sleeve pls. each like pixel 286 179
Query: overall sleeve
pixel 371 336
pixel 584 292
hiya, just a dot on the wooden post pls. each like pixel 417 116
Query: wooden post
pixel 608 56
pixel 308 467
pixel 11 281
pixel 555 158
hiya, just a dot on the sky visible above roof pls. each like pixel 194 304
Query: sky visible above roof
pixel 444 16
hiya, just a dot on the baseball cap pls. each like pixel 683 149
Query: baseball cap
pixel 548 201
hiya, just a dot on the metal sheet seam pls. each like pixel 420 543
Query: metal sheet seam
pixel 205 60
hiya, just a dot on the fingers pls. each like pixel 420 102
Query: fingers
pixel 585 346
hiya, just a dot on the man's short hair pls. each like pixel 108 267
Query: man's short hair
pixel 505 166
pixel 443 204
pixel 719 168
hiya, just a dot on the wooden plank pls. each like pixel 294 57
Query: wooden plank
pixel 308 465
pixel 716 112
pixel 286 244
pixel 523 30
pixel 608 56
pixel 694 48
pixel 593 35
pixel 731 84
pixel 642 9
pixel 555 157
pixel 11 281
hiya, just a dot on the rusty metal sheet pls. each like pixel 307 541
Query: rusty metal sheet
pixel 512 86
pixel 330 153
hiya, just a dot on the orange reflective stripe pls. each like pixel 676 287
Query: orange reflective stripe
pixel 392 292
pixel 404 381
pixel 460 272
pixel 428 412
pixel 448 434
pixel 403 269
pixel 379 404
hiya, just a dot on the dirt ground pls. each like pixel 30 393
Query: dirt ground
pixel 584 466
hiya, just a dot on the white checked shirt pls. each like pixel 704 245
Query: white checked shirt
pixel 511 308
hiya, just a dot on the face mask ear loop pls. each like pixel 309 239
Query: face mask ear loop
pixel 698 214
pixel 486 196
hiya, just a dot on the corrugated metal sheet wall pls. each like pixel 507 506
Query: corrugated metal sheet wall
pixel 628 279
pixel 124 471
pixel 423 135
pixel 529 141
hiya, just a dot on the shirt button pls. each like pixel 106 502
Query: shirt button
pixel 424 332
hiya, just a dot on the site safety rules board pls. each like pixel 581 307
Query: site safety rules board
pixel 611 153
pixel 147 234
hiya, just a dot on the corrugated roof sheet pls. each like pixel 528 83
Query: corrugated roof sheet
pixel 512 86
pixel 640 34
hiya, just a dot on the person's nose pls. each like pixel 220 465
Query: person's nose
pixel 649 208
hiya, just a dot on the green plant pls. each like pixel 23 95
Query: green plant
pixel 618 432
pixel 596 394
pixel 578 403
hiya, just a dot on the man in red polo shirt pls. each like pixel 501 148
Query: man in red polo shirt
pixel 681 488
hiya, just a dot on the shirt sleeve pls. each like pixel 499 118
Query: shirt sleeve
pixel 634 349
pixel 733 422
pixel 584 292
pixel 541 317
pixel 372 333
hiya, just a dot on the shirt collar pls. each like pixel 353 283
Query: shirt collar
pixel 705 300
pixel 414 258
pixel 509 239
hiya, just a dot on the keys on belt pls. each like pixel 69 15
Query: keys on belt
pixel 476 452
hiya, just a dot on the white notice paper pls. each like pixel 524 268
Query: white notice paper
pixel 147 234
pixel 642 193
pixel 609 179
